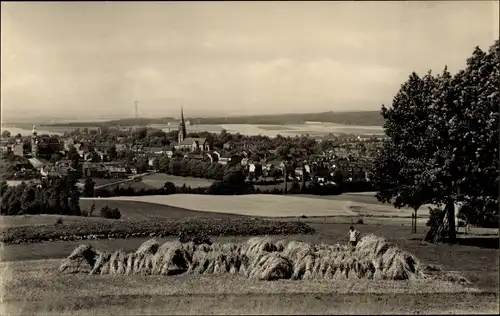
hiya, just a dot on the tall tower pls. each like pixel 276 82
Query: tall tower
pixel 182 128
pixel 34 143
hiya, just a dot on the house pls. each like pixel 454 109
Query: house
pixel 243 145
pixel 224 160
pixel 18 150
pixel 156 150
pixel 68 143
pixel 121 147
pixel 137 147
pixel 116 171
pixel 63 167
pixel 270 165
pixel 151 161
pixel 194 144
pixel 244 161
pixel 36 163
pixel 49 170
pixel 5 146
pixel 93 169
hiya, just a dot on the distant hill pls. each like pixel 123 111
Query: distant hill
pixel 361 118
pixel 120 122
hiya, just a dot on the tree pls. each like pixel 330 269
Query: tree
pixel 443 140
pixel 74 157
pixel 258 171
pixel 275 173
pixel 55 157
pixel 142 165
pixel 338 177
pixel 234 175
pixel 94 157
pixel 400 174
pixel 475 151
pixel 112 153
pixel 5 134
pixel 89 187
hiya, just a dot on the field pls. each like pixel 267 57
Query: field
pixel 266 205
pixel 157 180
pixel 29 270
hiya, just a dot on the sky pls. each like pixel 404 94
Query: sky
pixel 88 60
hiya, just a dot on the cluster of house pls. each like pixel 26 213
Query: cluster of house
pixel 324 165
pixel 12 145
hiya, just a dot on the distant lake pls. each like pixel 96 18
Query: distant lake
pixel 312 128
pixel 26 132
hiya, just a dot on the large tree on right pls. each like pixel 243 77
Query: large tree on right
pixel 442 145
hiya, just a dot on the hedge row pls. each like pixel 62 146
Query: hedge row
pixel 152 228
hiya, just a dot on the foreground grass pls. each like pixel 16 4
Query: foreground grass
pixel 478 265
pixel 262 304
pixel 44 292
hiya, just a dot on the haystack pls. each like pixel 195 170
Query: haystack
pixel 149 247
pixel 372 245
pixel 171 260
pixel 272 266
pixel 81 260
pixel 258 258
pixel 260 244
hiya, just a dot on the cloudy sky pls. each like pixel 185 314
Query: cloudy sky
pixel 89 60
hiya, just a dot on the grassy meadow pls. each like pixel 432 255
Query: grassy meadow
pixel 31 284
pixel 266 205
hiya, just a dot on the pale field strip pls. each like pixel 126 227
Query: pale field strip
pixel 265 205
pixel 39 280
pixel 272 130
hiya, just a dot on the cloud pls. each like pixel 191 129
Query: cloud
pixel 228 57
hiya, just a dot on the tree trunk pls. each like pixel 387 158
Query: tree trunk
pixel 415 227
pixel 303 179
pixel 452 234
pixel 286 180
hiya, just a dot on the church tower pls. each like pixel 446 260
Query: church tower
pixel 182 128
pixel 34 143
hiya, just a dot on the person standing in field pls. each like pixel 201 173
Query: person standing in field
pixel 353 236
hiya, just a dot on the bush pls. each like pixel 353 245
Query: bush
pixel 59 221
pixel 228 188
pixel 108 212
pixel 360 221
pixel 326 189
pixel 153 227
pixel 169 188
pixel 435 215
pixel 357 186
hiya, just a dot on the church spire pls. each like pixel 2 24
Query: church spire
pixel 182 127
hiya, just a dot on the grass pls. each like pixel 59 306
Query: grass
pixel 42 293
pixel 130 211
pixel 261 304
pixel 157 180
pixel 138 210
pixel 73 294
